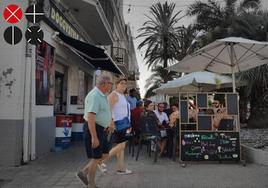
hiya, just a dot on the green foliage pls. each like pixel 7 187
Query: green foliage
pixel 242 19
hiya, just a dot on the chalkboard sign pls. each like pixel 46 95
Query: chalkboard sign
pixel 202 100
pixel 232 105
pixel 210 146
pixel 204 122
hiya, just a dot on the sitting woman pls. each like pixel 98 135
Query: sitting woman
pixel 220 113
pixel 148 113
pixel 173 118
pixel 174 115
pixel 149 122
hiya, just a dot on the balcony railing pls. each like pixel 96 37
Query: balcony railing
pixel 120 57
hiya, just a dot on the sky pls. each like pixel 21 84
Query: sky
pixel 136 17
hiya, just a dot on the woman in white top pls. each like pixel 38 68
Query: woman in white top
pixel 120 109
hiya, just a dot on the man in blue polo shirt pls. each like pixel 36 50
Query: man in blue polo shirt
pixel 97 115
pixel 132 98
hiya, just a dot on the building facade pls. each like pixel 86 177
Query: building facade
pixel 40 83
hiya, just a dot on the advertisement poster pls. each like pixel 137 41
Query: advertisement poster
pixel 45 74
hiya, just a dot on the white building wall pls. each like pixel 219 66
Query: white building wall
pixel 13 61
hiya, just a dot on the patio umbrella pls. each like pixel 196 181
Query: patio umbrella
pixel 196 81
pixel 228 55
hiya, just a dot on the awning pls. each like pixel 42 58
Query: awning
pixel 94 55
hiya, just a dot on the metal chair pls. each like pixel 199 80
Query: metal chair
pixel 149 133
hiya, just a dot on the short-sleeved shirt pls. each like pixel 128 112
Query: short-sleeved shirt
pixel 97 102
pixel 132 101
pixel 161 116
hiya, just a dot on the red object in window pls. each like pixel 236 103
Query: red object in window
pixel 12 13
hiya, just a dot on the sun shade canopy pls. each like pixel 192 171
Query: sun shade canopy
pixel 94 55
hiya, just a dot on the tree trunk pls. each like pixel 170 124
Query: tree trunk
pixel 166 72
pixel 165 79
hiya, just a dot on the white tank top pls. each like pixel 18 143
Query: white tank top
pixel 120 109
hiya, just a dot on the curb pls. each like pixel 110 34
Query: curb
pixel 254 155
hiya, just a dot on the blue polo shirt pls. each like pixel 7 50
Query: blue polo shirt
pixel 97 102
pixel 132 101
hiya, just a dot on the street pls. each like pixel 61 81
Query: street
pixel 57 170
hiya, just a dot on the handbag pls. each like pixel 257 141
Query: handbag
pixel 123 124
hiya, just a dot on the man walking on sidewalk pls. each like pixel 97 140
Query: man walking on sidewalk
pixel 98 117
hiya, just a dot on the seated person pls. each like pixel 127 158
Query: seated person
pixel 193 111
pixel 174 115
pixel 164 121
pixel 148 113
pixel 149 123
pixel 219 114
pixel 135 117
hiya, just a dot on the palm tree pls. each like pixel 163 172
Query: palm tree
pixel 160 35
pixel 220 21
pixel 155 80
pixel 256 91
pixel 186 41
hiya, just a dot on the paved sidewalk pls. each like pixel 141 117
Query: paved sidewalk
pixel 57 170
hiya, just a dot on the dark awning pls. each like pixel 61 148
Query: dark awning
pixel 94 55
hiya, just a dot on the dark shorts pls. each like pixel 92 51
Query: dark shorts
pixel 120 136
pixel 103 148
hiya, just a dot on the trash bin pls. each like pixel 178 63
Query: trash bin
pixel 63 131
pixel 77 127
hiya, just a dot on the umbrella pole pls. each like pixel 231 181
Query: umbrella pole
pixel 233 77
pixel 232 66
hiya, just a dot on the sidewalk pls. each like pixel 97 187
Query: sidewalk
pixel 57 170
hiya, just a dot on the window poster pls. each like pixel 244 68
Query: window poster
pixel 45 74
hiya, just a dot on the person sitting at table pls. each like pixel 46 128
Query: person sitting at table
pixel 164 121
pixel 135 119
pixel 220 113
pixel 193 111
pixel 148 113
pixel 174 115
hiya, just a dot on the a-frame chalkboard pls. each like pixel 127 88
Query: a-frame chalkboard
pixel 210 146
pixel 206 143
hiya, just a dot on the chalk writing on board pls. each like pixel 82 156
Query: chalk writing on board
pixel 202 146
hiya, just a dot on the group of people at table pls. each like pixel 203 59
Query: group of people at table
pixel 168 118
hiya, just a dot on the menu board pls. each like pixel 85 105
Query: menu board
pixel 210 146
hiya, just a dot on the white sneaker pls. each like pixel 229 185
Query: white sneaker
pixel 102 167
pixel 124 172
